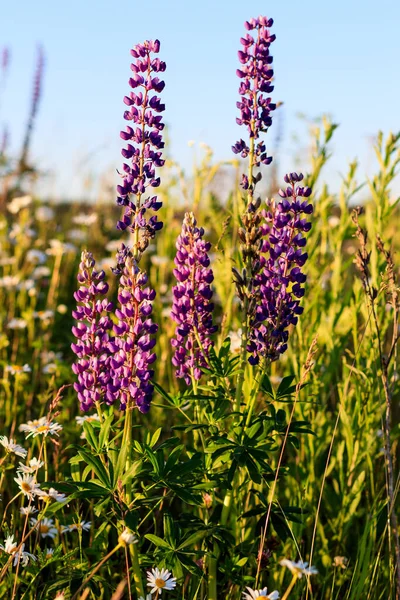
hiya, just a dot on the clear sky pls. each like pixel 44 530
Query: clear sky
pixel 337 57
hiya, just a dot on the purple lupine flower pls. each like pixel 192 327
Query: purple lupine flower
pixel 192 307
pixel 255 107
pixel 5 60
pixel 36 95
pixel 279 284
pixel 144 147
pixel 92 331
pixel 132 346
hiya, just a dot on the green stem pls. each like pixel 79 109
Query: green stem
pixel 127 446
pixel 291 586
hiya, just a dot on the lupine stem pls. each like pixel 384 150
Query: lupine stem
pixel 127 444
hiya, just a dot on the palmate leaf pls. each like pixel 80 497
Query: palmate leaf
pixel 157 541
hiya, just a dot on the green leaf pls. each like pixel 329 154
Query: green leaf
pixel 157 541
pixel 105 430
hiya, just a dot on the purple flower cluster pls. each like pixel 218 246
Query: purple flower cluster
pixel 256 76
pixel 132 346
pixel 37 92
pixel 144 147
pixel 192 307
pixel 93 335
pixel 280 282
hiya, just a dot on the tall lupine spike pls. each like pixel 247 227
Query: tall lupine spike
pixel 36 95
pixel 192 307
pixel 144 147
pixel 255 107
pixel 279 284
pixel 133 344
pixel 5 60
pixel 92 332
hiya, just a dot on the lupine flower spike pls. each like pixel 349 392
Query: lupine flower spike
pixel 279 284
pixel 144 147
pixel 133 343
pixel 92 331
pixel 255 107
pixel 192 307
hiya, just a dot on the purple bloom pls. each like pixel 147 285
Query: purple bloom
pixel 144 146
pixel 279 284
pixel 256 77
pixel 5 60
pixel 133 344
pixel 192 307
pixel 92 335
pixel 36 95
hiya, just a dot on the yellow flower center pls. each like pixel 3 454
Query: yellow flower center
pixel 44 528
pixel 42 428
pixel 17 368
pixel 160 583
pixel 25 487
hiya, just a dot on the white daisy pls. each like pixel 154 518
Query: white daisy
pixel 127 538
pixel 81 526
pixel 41 427
pixel 17 324
pixel 36 256
pixel 40 272
pixel 28 510
pixel 18 369
pixel 83 219
pixel 9 281
pixel 45 528
pixel 148 597
pixel 298 568
pixel 9 545
pixel 27 485
pixel 87 418
pixel 19 203
pixel 44 214
pixel 23 557
pixel 160 580
pixel 51 494
pixel 11 447
pixel 48 553
pixel 32 467
pixel 253 594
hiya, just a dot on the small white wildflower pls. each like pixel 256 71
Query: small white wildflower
pixel 57 247
pixel 36 256
pixel 18 204
pixel 45 527
pixel 77 235
pixel 148 597
pixel 298 568
pixel 48 553
pixel 62 309
pixel 11 447
pixel 28 510
pixel 44 315
pixel 127 538
pixel 41 427
pixel 17 324
pixel 253 594
pixel 81 419
pixel 236 340
pixel 9 545
pixel 49 369
pixel 27 485
pixel 32 467
pixel 81 526
pixel 51 494
pixel 160 580
pixel 44 214
pixel 159 261
pixel 18 369
pixel 41 272
pixel 9 282
pixel 83 219
pixel 23 557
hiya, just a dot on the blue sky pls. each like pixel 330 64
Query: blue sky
pixel 337 57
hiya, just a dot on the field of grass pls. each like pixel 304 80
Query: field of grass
pixel 241 466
